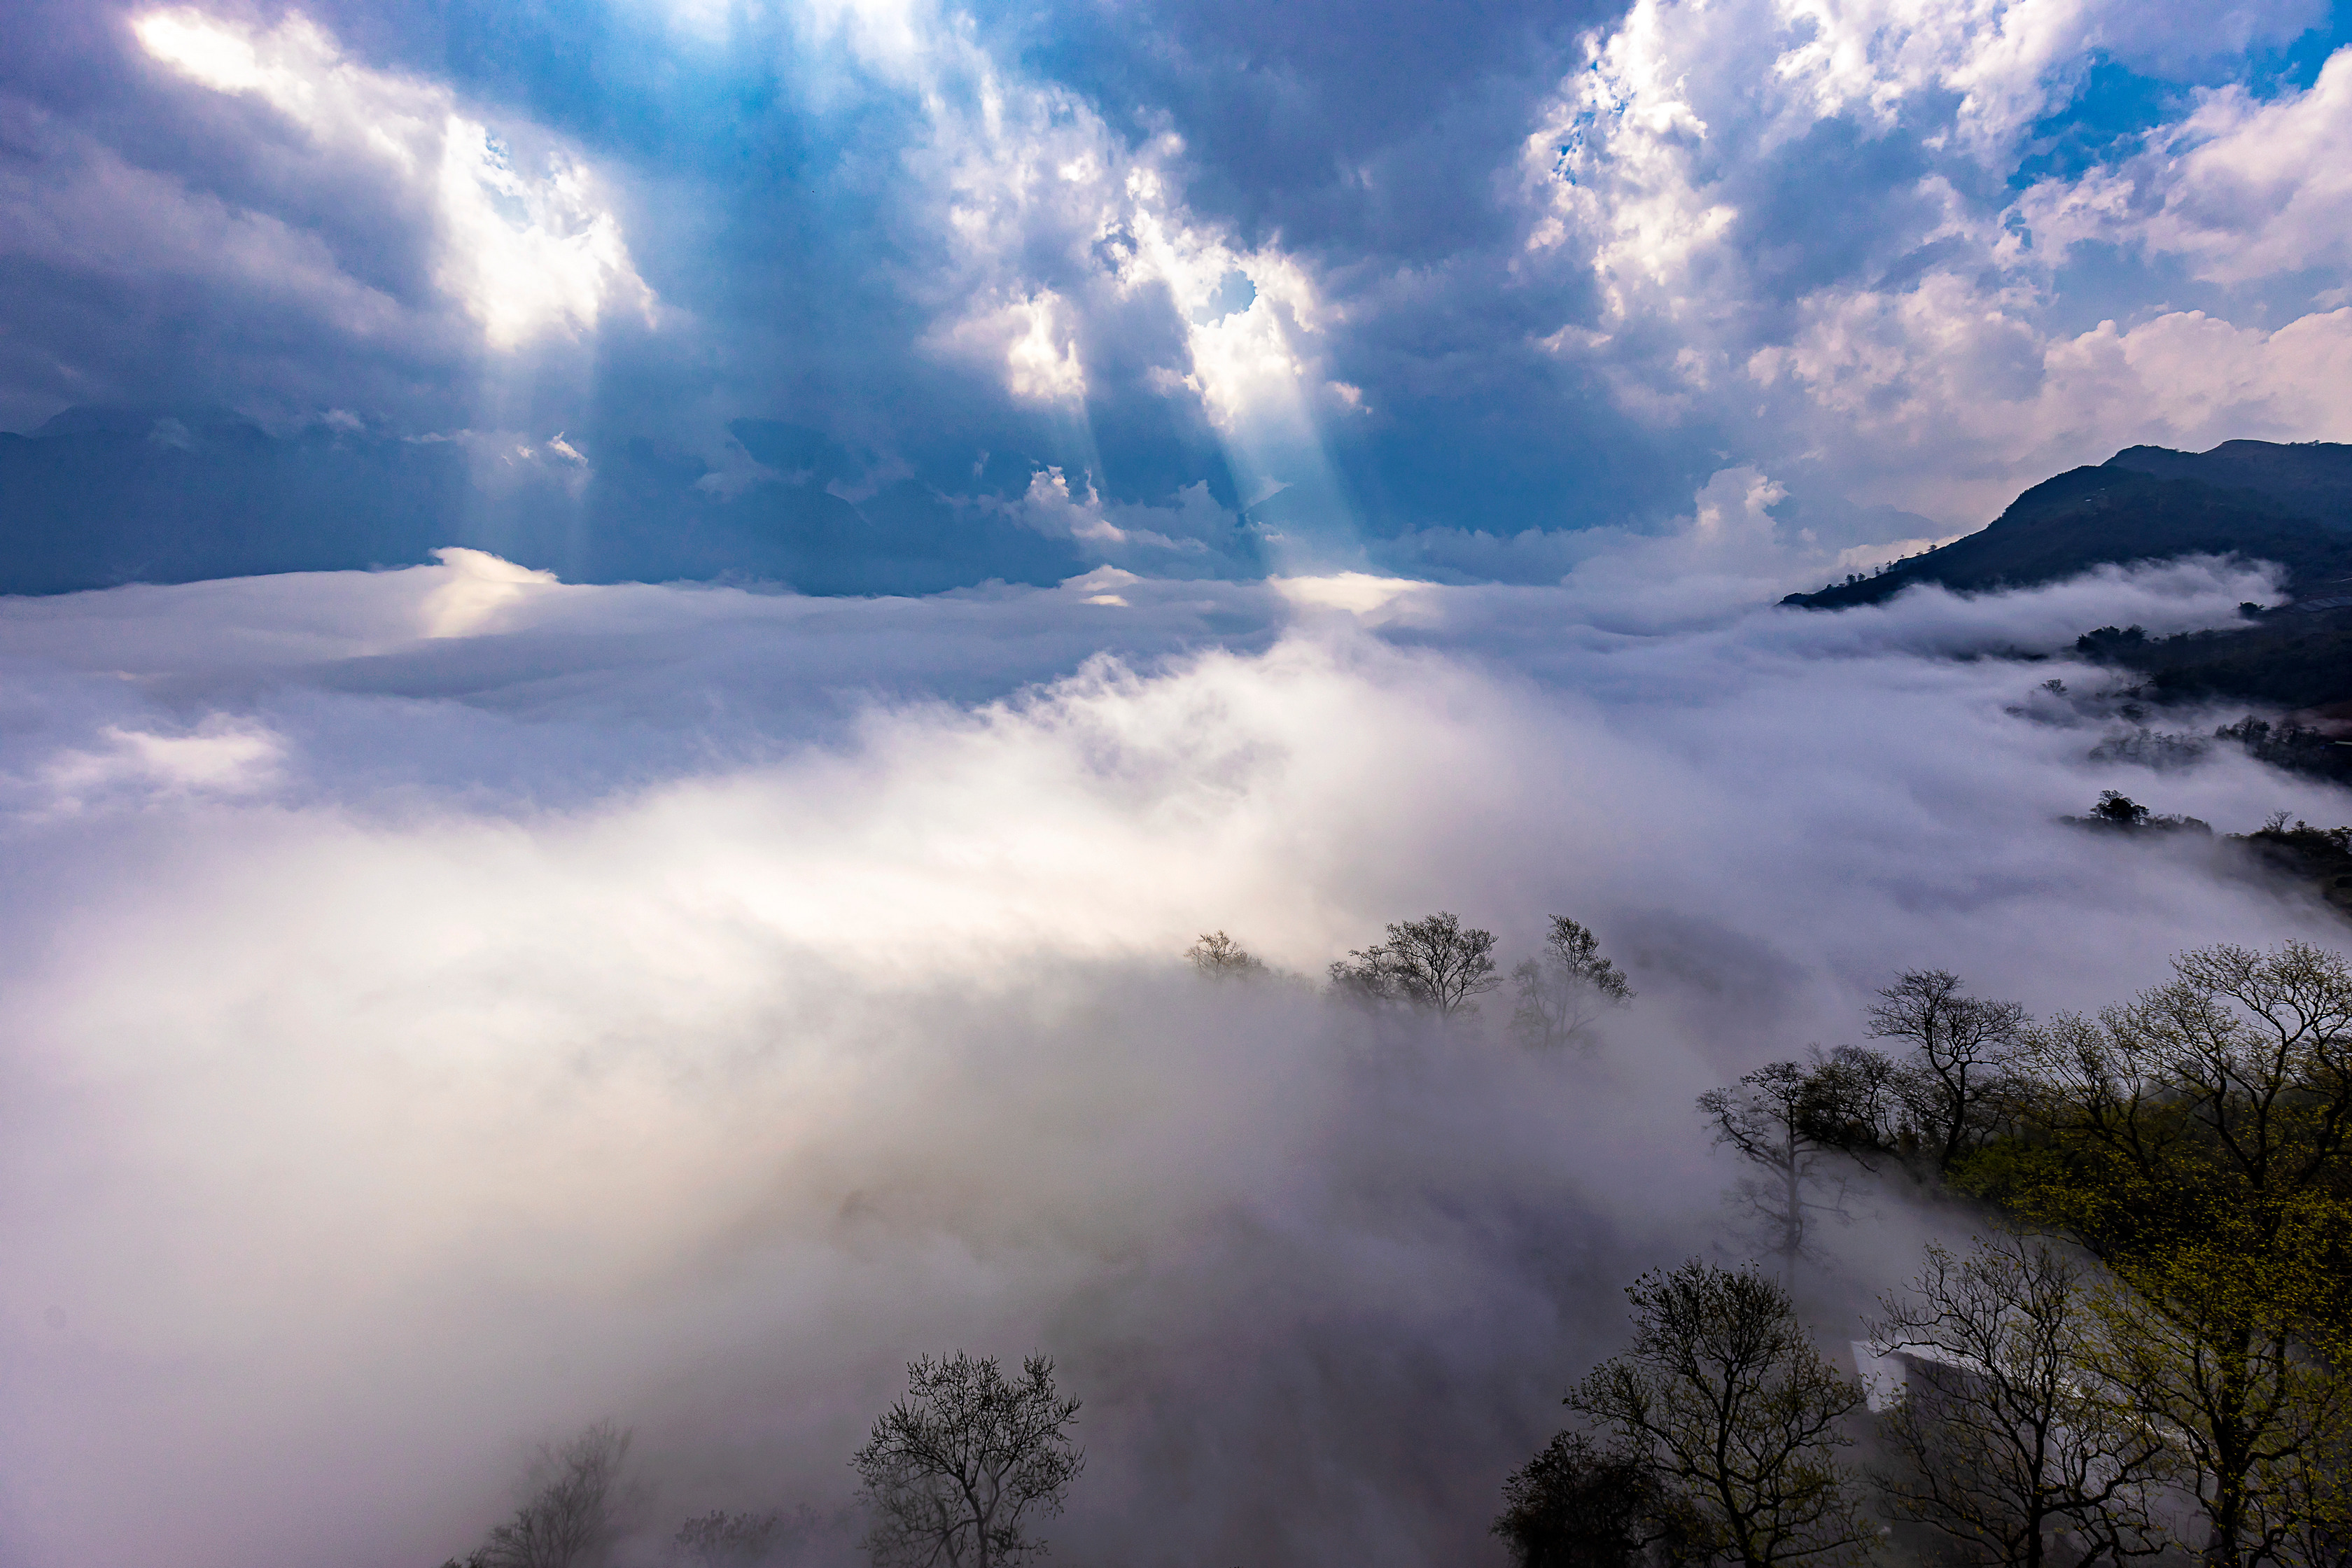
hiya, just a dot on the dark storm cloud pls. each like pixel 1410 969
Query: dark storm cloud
pixel 1515 271
pixel 170 244
pixel 763 184
pixel 1361 130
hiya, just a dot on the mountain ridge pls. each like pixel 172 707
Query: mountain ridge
pixel 2290 503
pixel 100 496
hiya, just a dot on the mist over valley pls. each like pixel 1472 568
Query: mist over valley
pixel 895 783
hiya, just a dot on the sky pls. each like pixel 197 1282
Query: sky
pixel 889 522
pixel 887 296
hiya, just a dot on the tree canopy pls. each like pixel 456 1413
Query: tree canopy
pixel 1435 963
pixel 954 1471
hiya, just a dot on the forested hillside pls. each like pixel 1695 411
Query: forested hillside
pixel 2256 500
pixel 2291 504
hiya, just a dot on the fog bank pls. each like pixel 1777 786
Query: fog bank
pixel 448 1006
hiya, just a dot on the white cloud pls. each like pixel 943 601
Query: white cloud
pixel 2198 380
pixel 526 243
pixel 221 757
pixel 1356 593
pixel 1648 140
pixel 480 588
pixel 2005 62
pixel 554 1032
pixel 1903 348
pixel 1195 525
pixel 1942 369
pixel 1031 340
pixel 2243 188
pixel 1056 231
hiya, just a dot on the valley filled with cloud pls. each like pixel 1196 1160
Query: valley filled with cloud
pixel 635 637
pixel 450 1006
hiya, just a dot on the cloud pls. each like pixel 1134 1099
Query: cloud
pixel 1742 544
pixel 524 243
pixel 1912 352
pixel 1937 366
pixel 1193 537
pixel 1383 286
pixel 1071 254
pixel 592 1005
pixel 2242 188
pixel 455 1002
pixel 481 587
pixel 1029 343
pixel 221 757
pixel 81 205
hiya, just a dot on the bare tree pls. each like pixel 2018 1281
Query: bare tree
pixel 744 1539
pixel 1220 957
pixel 1366 978
pixel 2009 1441
pixel 570 1519
pixel 1725 1399
pixel 1958 1082
pixel 952 1469
pixel 1565 987
pixel 1434 962
pixel 1783 1120
pixel 1853 1102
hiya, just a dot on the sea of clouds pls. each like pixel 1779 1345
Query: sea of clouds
pixel 448 1006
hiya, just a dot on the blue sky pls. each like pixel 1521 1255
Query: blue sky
pixel 935 294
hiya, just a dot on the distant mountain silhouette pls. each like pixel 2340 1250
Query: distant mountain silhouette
pixel 2291 504
pixel 99 497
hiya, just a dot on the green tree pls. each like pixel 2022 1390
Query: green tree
pixel 2198 1139
pixel 1723 1398
pixel 953 1470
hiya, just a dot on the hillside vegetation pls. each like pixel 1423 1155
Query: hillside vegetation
pixel 2256 500
pixel 2291 504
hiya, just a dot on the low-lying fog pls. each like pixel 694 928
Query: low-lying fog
pixel 446 1007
